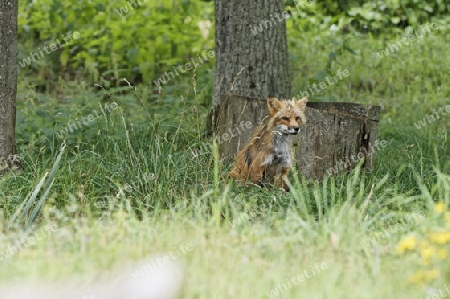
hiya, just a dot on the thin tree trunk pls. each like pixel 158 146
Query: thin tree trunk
pixel 251 51
pixel 8 82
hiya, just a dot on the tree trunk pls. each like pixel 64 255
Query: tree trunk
pixel 334 139
pixel 8 82
pixel 251 51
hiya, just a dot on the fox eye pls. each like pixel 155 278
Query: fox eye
pixel 298 119
pixel 285 118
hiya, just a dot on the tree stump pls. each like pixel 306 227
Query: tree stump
pixel 334 139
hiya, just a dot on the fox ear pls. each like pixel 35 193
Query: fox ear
pixel 274 105
pixel 301 104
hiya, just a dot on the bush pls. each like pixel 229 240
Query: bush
pixel 137 40
pixel 140 40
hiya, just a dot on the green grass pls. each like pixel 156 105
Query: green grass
pixel 133 169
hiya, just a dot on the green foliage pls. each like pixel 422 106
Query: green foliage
pixel 142 40
pixel 375 15
pixel 118 39
pixel 394 13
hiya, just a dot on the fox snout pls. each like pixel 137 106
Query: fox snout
pixel 293 130
pixel 287 130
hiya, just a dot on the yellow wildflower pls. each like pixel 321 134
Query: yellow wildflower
pixel 418 277
pixel 432 274
pixel 427 253
pixel 439 237
pixel 424 244
pixel 439 207
pixel 421 276
pixel 442 253
pixel 406 243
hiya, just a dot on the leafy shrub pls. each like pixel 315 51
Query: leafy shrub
pixel 394 13
pixel 375 15
pixel 140 40
pixel 137 40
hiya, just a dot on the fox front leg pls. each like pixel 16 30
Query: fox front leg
pixel 283 177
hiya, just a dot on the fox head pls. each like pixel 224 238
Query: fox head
pixel 287 116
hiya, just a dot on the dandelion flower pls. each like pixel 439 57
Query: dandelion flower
pixel 424 244
pixel 440 238
pixel 432 274
pixel 439 207
pixel 427 253
pixel 418 277
pixel 442 253
pixel 406 244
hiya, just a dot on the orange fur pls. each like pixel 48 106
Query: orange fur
pixel 267 158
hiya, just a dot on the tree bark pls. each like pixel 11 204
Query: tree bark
pixel 251 51
pixel 8 82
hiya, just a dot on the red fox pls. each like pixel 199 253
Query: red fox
pixel 267 158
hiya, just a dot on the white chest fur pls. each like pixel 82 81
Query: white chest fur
pixel 281 156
